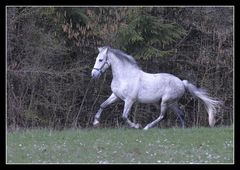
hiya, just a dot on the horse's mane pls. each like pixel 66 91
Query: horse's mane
pixel 123 56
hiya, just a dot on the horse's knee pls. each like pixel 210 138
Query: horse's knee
pixel 103 106
pixel 161 117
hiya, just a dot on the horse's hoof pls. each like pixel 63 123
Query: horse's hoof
pixel 138 126
pixel 146 128
pixel 96 123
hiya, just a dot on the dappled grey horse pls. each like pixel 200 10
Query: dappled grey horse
pixel 131 85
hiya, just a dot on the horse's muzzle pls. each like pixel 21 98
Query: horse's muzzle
pixel 96 74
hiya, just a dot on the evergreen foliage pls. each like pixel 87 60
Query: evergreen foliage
pixel 146 36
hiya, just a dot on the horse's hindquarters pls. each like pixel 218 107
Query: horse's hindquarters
pixel 153 87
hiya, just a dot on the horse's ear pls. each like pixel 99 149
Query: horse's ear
pixel 100 49
pixel 107 50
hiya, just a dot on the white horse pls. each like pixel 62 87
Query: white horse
pixel 131 85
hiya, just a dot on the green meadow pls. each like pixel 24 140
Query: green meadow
pixel 116 146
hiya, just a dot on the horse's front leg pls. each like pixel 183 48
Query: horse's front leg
pixel 127 107
pixel 113 98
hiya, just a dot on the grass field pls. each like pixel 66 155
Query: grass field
pixel 191 145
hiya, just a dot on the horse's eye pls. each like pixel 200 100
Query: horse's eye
pixel 100 60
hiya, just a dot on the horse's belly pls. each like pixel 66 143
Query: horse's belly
pixel 149 89
pixel 145 99
pixel 149 94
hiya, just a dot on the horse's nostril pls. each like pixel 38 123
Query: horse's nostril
pixel 95 74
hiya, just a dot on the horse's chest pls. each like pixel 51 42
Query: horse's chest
pixel 119 89
pixel 122 90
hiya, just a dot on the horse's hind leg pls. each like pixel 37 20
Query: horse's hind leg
pixel 179 113
pixel 163 111
pixel 113 98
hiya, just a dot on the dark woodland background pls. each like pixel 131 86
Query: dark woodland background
pixel 51 52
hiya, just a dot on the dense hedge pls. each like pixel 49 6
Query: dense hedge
pixel 51 51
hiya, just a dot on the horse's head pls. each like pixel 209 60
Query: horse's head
pixel 101 63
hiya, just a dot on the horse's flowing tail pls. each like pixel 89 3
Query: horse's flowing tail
pixel 210 103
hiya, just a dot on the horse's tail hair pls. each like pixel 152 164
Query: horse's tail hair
pixel 211 104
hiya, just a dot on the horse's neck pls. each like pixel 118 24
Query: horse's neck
pixel 122 71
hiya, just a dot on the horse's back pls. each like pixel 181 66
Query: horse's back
pixel 153 87
pixel 161 78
